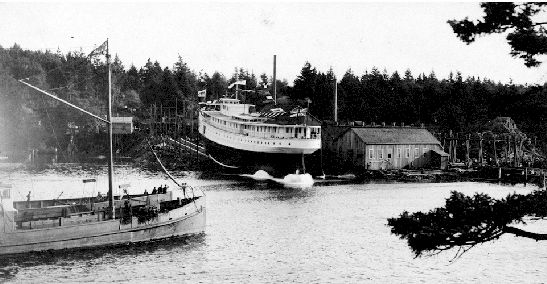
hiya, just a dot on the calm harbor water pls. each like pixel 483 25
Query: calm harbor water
pixel 265 233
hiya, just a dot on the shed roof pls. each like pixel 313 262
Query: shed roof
pixel 440 152
pixel 382 135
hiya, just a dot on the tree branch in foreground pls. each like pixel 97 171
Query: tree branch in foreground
pixel 526 37
pixel 522 233
pixel 466 221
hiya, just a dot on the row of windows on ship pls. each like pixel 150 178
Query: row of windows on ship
pixel 254 141
pixel 315 131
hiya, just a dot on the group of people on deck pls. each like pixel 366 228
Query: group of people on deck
pixel 159 190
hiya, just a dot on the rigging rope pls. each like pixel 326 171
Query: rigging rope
pixel 51 125
pixel 224 165
pixel 171 177
pixel 162 166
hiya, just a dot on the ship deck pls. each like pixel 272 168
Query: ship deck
pixel 283 120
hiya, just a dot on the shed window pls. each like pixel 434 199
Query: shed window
pixel 416 150
pixel 381 154
pixel 371 154
pixel 398 152
pixel 407 154
pixel 425 151
pixel 389 151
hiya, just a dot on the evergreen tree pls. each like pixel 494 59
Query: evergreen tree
pixel 305 83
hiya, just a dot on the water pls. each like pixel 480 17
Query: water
pixel 264 233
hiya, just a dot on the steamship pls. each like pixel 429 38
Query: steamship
pixel 276 141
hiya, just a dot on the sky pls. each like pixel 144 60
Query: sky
pixel 219 36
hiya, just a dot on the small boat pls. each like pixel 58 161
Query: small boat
pixel 54 224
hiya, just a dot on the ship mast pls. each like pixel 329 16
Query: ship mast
pixel 108 121
pixel 335 100
pixel 109 125
pixel 274 82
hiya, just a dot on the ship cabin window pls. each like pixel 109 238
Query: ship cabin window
pixel 315 132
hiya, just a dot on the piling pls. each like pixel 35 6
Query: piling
pixel 525 176
pixel 481 158
pixel 499 173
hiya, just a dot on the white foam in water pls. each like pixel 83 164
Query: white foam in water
pixel 298 180
pixel 290 180
pixel 260 175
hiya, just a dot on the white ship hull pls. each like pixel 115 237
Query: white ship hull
pixel 294 146
pixel 237 139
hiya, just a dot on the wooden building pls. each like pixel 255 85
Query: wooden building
pixel 375 148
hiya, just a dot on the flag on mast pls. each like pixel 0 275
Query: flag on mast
pixel 239 82
pixel 101 50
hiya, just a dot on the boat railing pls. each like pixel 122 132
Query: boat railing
pixel 247 133
pixel 57 216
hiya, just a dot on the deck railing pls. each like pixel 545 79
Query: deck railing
pixel 255 134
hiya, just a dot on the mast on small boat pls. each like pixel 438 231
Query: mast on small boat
pixel 108 121
pixel 109 124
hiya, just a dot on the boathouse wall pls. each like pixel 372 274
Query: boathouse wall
pixel 381 148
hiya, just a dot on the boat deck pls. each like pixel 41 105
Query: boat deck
pixel 54 213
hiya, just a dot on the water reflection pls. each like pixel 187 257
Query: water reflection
pixel 10 265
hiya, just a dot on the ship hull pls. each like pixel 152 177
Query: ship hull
pixel 233 160
pixel 186 220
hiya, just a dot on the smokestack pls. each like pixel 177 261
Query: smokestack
pixel 274 83
pixel 335 100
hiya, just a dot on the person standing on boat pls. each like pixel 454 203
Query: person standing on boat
pixel 28 200
pixel 126 193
